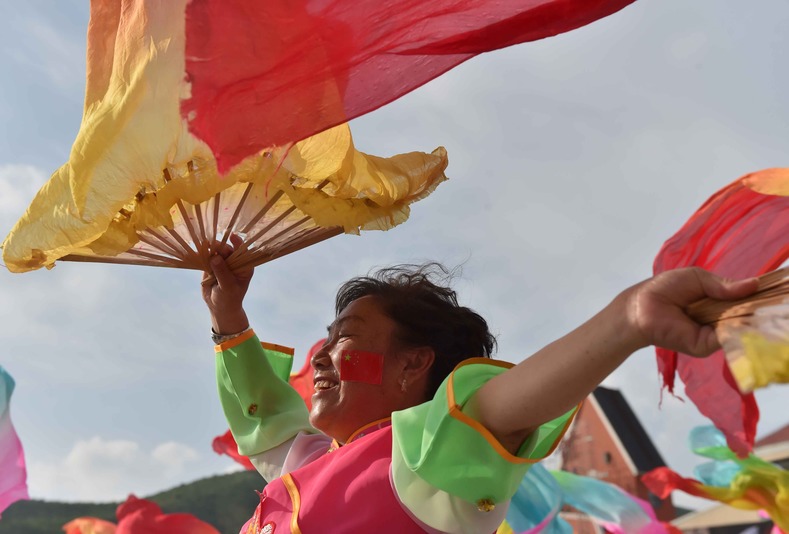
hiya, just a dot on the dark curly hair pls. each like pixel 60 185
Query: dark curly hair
pixel 417 298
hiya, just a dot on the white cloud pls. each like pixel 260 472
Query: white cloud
pixel 174 457
pixel 99 469
pixel 233 468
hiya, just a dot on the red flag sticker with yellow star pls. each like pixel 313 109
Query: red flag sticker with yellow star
pixel 361 366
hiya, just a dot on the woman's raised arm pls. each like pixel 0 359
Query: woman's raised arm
pixel 561 375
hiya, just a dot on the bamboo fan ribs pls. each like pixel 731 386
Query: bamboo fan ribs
pixel 754 331
pixel 270 226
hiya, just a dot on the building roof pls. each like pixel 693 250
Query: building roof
pixel 780 435
pixel 634 438
pixel 718 516
pixel 774 447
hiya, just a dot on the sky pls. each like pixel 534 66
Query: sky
pixel 571 161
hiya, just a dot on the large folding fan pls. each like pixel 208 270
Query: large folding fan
pixel 138 188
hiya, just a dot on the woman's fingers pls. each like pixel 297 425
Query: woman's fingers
pixel 690 338
pixel 725 289
pixel 223 249
pixel 224 276
pixel 236 239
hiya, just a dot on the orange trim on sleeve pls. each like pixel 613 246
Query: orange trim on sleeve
pixel 236 341
pixel 456 412
pixel 295 501
pixel 278 348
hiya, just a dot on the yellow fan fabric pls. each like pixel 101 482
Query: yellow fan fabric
pixel 754 331
pixel 757 346
pixel 135 167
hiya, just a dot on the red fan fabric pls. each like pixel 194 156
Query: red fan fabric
pixel 270 73
pixel 226 444
pixel 140 516
pixel 302 381
pixel 662 481
pixel 737 233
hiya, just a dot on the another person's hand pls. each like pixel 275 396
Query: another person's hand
pixel 224 290
pixel 656 308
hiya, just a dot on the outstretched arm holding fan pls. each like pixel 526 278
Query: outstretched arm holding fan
pixel 566 371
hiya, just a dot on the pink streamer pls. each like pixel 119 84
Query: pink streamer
pixel 13 482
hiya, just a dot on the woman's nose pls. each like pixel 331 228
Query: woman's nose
pixel 321 359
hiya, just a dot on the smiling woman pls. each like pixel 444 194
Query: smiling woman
pixel 419 327
pixel 413 427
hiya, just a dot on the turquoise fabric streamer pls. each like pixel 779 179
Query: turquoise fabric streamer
pixel 542 494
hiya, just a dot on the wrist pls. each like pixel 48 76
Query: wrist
pixel 627 320
pixel 218 339
pixel 229 323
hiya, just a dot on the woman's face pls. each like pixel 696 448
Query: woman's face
pixel 339 408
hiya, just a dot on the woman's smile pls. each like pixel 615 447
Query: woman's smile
pixel 324 384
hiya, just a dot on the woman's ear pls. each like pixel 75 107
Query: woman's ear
pixel 417 363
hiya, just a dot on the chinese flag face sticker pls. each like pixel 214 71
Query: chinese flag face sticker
pixel 360 366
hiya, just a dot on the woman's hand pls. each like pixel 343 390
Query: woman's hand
pixel 224 290
pixel 656 308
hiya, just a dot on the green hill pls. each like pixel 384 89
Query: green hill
pixel 224 501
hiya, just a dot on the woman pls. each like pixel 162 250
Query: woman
pixel 397 441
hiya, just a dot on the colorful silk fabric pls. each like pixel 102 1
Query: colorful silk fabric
pixel 269 73
pixel 139 516
pixel 737 233
pixel 748 483
pixel 542 494
pixel 90 525
pixel 134 163
pixel 13 473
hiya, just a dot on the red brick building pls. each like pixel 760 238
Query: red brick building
pixel 608 442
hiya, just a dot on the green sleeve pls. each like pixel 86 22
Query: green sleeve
pixel 449 450
pixel 263 410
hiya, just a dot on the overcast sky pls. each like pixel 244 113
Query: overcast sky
pixel 571 161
